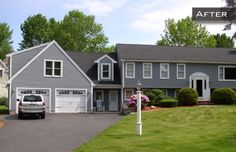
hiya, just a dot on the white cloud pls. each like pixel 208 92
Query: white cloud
pixel 97 7
pixel 151 17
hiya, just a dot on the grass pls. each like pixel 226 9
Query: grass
pixel 184 129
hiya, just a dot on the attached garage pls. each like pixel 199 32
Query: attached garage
pixel 71 100
pixel 45 92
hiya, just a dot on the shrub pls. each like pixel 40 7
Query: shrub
pixel 3 101
pixel 187 97
pixel 133 100
pixel 168 102
pixel 155 95
pixel 224 96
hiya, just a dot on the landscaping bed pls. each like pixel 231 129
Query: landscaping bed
pixel 4 109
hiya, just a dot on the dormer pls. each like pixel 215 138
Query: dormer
pixel 105 70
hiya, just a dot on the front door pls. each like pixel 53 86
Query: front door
pixel 113 101
pixel 201 84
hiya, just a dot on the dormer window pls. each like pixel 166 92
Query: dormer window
pixel 105 68
pixel 106 71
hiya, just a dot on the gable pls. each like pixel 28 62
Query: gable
pixel 21 58
pixel 105 58
pixel 52 52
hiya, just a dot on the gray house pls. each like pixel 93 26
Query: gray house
pixel 83 82
pixel 172 68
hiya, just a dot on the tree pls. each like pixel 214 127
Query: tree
pixel 108 49
pixel 223 41
pixel 186 32
pixel 5 40
pixel 76 32
pixel 80 32
pixel 231 4
pixel 35 31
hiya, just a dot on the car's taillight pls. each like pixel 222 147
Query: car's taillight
pixel 44 105
pixel 20 104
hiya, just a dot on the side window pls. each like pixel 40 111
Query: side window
pixel 130 70
pixel 164 71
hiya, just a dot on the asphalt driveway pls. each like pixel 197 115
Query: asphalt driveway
pixel 57 133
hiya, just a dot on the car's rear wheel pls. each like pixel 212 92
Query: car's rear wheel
pixel 43 115
pixel 19 115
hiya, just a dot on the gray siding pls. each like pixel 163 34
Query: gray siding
pixel 33 77
pixel 173 82
pixel 106 60
pixel 19 60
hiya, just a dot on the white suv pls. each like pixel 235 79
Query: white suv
pixel 31 104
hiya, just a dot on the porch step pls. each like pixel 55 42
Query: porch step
pixel 205 103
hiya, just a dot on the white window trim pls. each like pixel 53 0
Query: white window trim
pixel 126 76
pixel 96 93
pixel 144 71
pixel 230 66
pixel 53 63
pixel 168 71
pixel 128 90
pixel 109 70
pixel 178 71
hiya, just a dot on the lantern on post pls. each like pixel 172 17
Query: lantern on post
pixel 139 121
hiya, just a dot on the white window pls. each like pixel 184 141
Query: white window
pixel 227 73
pixel 130 70
pixel 1 73
pixel 99 96
pixel 147 70
pixel 164 71
pixel 181 71
pixel 53 68
pixel 128 93
pixel 106 70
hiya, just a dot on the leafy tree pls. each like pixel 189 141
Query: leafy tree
pixel 76 32
pixel 231 4
pixel 80 32
pixel 5 40
pixel 35 31
pixel 186 32
pixel 108 49
pixel 223 41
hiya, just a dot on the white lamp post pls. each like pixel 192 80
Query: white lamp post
pixel 139 122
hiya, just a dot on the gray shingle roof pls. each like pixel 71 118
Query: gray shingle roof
pixel 85 60
pixel 176 54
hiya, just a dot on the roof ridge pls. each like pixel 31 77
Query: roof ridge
pixel 154 45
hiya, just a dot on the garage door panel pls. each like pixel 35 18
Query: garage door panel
pixel 70 101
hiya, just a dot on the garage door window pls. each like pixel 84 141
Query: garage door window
pixel 53 68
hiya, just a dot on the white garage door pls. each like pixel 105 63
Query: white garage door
pixel 44 92
pixel 70 101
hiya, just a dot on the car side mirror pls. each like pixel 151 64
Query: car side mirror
pixel 17 99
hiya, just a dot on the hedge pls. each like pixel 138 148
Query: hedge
pixel 169 102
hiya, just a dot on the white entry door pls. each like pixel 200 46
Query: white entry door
pixel 113 101
pixel 200 82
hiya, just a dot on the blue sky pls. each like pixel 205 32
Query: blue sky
pixel 123 21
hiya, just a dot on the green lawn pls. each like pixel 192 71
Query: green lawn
pixel 190 129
